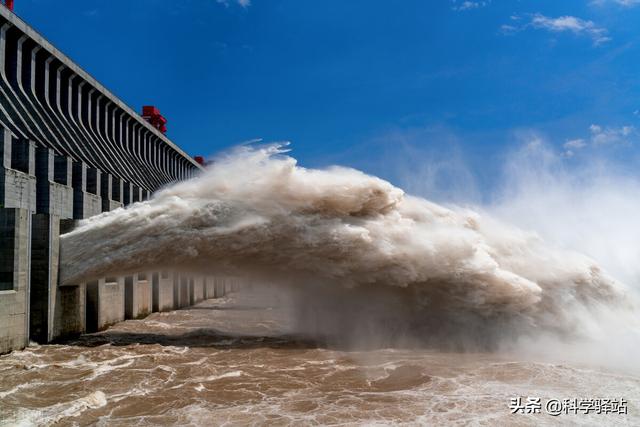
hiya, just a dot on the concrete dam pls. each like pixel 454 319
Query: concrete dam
pixel 70 150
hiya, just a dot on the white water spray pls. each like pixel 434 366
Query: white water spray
pixel 257 213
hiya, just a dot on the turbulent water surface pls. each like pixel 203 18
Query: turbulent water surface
pixel 234 360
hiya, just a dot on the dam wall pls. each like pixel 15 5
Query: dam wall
pixel 69 150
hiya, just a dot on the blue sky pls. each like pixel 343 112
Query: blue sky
pixel 385 86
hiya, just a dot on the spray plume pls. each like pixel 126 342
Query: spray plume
pixel 255 212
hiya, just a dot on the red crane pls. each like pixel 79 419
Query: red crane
pixel 9 4
pixel 153 116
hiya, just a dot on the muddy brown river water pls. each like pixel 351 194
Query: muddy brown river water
pixel 230 361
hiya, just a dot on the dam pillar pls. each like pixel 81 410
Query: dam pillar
pixel 105 303
pixel 136 194
pixel 127 193
pixel 180 290
pixel 110 192
pixel 192 296
pixel 15 254
pixel 208 290
pixel 145 291
pixel 185 299
pixel 51 313
pixel 63 171
pixel 117 187
pixel 162 284
pixel 198 289
pixel 45 245
pixel 69 314
pixel 219 287
pixel 138 296
pixel 54 194
pixel 70 317
pixel 155 292
pixel 86 191
pixel 54 201
pixel 56 311
pixel 17 172
pixel 176 290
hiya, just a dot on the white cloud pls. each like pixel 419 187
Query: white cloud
pixel 469 5
pixel 571 23
pixel 508 29
pixel 611 135
pixel 600 136
pixel 572 145
pixel 623 3
pixel 243 3
pixel 577 26
pixel 575 144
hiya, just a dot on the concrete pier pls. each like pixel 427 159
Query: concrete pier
pixel 70 309
pixel 184 299
pixel 105 304
pixel 86 191
pixel 45 244
pixel 219 287
pixel 70 314
pixel 14 278
pixel 17 172
pixel 54 193
pixel 110 191
pixel 209 287
pixel 198 289
pixel 138 296
pixel 162 291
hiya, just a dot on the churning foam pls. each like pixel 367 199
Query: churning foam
pixel 256 212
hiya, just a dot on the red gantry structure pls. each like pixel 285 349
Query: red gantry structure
pixel 153 116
